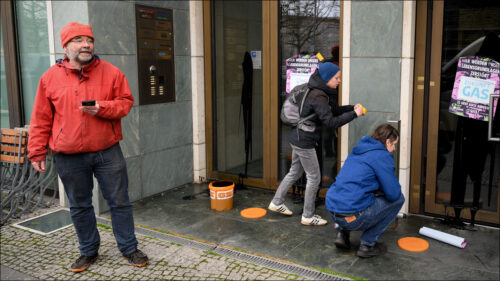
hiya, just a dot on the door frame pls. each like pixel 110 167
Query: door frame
pixel 429 34
pixel 269 97
pixel 418 137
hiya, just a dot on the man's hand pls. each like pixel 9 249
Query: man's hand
pixel 39 166
pixel 92 110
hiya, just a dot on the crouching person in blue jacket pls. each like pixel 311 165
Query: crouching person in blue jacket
pixel 367 195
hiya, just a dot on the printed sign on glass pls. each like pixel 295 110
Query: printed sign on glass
pixel 298 70
pixel 477 78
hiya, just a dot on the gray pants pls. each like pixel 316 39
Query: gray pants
pixel 302 160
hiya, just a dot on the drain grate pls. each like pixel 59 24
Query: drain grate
pixel 258 260
pixel 277 265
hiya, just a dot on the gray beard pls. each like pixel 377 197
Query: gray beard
pixel 84 62
pixel 77 59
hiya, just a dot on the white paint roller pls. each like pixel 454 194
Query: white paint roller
pixel 443 237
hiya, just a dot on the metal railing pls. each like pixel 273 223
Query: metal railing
pixel 23 189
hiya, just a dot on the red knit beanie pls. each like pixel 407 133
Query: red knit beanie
pixel 74 29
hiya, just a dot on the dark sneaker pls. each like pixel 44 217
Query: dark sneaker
pixel 342 240
pixel 137 258
pixel 83 262
pixel 366 251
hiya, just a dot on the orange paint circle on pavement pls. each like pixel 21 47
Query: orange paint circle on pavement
pixel 413 244
pixel 253 213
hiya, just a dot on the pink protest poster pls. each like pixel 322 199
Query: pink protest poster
pixel 298 70
pixel 477 78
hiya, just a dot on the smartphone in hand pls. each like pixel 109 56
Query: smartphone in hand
pixel 88 103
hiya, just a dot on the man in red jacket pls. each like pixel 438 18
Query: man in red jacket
pixel 85 137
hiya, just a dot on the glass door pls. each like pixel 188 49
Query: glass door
pixel 238 88
pixel 241 104
pixel 308 27
pixel 462 165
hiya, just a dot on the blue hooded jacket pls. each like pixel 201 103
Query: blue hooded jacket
pixel 368 168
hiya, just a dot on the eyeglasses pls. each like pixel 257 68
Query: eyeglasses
pixel 78 40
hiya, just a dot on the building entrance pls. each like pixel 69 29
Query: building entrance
pixel 240 54
pixel 460 174
pixel 307 28
pixel 237 95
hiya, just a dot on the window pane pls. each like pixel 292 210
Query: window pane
pixel 4 106
pixel 468 164
pixel 33 48
pixel 238 88
pixel 306 28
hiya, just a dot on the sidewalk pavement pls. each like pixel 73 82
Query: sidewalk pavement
pixel 10 274
pixel 29 256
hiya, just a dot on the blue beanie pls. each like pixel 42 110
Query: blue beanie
pixel 327 70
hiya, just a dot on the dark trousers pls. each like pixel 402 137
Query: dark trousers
pixel 110 169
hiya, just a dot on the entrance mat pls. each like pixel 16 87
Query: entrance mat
pixel 47 223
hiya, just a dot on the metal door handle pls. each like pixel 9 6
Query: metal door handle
pixel 492 137
pixel 396 124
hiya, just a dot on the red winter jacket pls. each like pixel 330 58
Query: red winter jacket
pixel 56 119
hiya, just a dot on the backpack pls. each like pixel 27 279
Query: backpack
pixel 292 107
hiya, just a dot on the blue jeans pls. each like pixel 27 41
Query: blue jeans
pixel 373 221
pixel 110 169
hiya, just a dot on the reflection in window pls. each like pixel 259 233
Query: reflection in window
pixel 309 26
pixel 33 44
pixel 4 106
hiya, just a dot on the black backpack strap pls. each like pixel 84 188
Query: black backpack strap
pixel 304 99
pixel 302 120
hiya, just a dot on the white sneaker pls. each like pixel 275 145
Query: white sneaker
pixel 282 209
pixel 314 220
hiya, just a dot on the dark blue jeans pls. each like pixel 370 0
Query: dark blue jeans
pixel 373 221
pixel 110 169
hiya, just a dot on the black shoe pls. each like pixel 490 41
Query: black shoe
pixel 342 240
pixel 137 258
pixel 83 262
pixel 366 251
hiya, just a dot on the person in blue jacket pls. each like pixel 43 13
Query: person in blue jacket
pixel 367 195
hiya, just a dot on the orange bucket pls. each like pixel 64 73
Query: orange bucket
pixel 221 195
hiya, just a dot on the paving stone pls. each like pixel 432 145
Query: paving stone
pixel 50 257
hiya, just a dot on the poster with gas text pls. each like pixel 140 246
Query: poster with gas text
pixel 477 78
